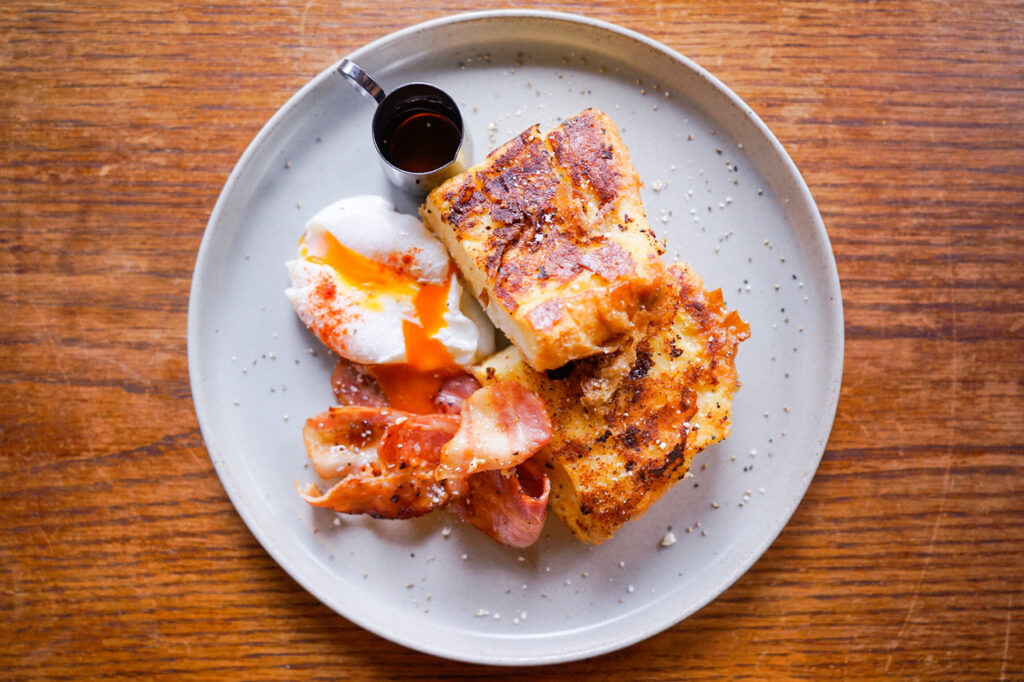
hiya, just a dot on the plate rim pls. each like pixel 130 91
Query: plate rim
pixel 835 311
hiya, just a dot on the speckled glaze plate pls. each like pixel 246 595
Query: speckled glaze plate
pixel 719 187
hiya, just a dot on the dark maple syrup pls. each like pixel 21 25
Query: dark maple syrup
pixel 422 141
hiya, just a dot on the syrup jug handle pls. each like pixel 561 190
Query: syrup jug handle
pixel 360 80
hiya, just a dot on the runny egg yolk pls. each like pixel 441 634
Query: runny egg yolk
pixel 354 268
pixel 410 386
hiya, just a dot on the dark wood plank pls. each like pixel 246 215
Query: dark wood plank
pixel 120 553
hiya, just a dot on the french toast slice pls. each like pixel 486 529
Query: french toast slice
pixel 550 234
pixel 627 424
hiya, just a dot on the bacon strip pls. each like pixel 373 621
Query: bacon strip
pixel 387 457
pixel 391 495
pixel 502 425
pixel 417 441
pixel 343 440
pixel 510 507
pixel 397 465
pixel 454 392
pixel 353 384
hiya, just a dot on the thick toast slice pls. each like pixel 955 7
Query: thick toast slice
pixel 550 234
pixel 627 424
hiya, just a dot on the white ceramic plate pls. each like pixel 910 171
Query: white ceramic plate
pixel 722 190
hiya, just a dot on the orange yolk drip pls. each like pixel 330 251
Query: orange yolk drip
pixel 422 351
pixel 412 386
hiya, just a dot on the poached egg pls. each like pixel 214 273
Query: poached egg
pixel 378 289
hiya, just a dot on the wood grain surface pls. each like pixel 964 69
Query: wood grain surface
pixel 120 553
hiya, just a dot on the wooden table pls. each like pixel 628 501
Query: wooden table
pixel 120 552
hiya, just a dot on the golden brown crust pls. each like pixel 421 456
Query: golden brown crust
pixel 628 424
pixel 549 232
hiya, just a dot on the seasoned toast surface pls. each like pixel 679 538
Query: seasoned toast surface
pixel 627 424
pixel 550 234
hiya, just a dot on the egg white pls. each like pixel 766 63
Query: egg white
pixel 366 326
pixel 370 226
pixel 349 323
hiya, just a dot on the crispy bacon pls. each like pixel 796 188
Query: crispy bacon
pixel 417 440
pixel 454 392
pixel 394 494
pixel 502 425
pixel 387 458
pixel 510 506
pixel 353 384
pixel 344 440
pixel 393 464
